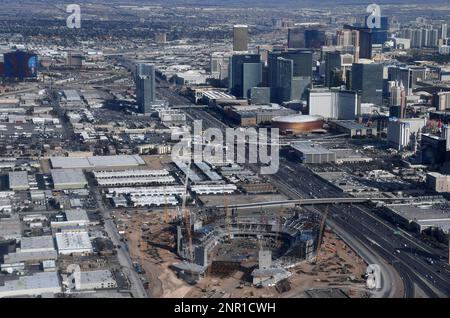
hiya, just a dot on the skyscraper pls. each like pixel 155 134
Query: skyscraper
pixel 145 87
pixel 349 38
pixel 443 33
pixel 367 80
pixel 240 38
pixel 314 38
pixel 365 40
pixel 251 77
pixel 332 65
pixel 296 38
pixel 241 77
pixel 289 74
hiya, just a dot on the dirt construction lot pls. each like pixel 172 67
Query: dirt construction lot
pixel 151 242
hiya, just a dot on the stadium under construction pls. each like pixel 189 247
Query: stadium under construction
pixel 262 245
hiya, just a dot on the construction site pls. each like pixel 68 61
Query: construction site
pixel 222 253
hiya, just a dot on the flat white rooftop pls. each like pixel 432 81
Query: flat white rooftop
pixel 98 162
pixel 47 282
pixel 76 215
pixel 18 179
pixel 37 243
pixel 63 177
pixel 73 242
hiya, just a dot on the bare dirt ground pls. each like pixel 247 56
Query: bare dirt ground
pixel 155 259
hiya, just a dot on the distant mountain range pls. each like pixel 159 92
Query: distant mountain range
pixel 256 3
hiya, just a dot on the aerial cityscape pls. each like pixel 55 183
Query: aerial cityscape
pixel 210 149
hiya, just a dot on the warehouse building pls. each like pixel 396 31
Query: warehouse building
pixel 73 243
pixel 309 152
pixel 34 285
pixel 92 280
pixel 37 244
pixel 76 217
pixel 214 189
pixel 64 179
pixel 18 181
pixel 97 162
pixel 421 217
pixel 129 178
pixel 154 201
pixel 21 257
pixel 10 228
pixel 148 192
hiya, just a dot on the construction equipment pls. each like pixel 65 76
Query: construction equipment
pixel 227 216
pixel 280 226
pixel 321 232
pixel 166 212
pixel 186 215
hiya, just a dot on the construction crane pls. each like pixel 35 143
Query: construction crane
pixel 321 232
pixel 187 214
pixel 227 216
pixel 279 221
pixel 166 212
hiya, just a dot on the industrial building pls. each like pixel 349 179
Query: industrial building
pixel 127 178
pixel 10 228
pixel 33 285
pixel 310 152
pixel 421 217
pixel 154 201
pixel 18 181
pixel 73 243
pixel 65 179
pixel 97 162
pixel 91 280
pixel 214 189
pixel 70 218
pixel 37 244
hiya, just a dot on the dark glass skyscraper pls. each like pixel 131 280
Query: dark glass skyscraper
pixel 365 40
pixel 145 87
pixel 296 38
pixel 367 80
pixel 314 39
pixel 289 74
pixel 332 64
pixel 241 76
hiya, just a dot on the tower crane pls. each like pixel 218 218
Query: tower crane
pixel 321 232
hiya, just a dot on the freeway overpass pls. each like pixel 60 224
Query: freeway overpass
pixel 292 203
